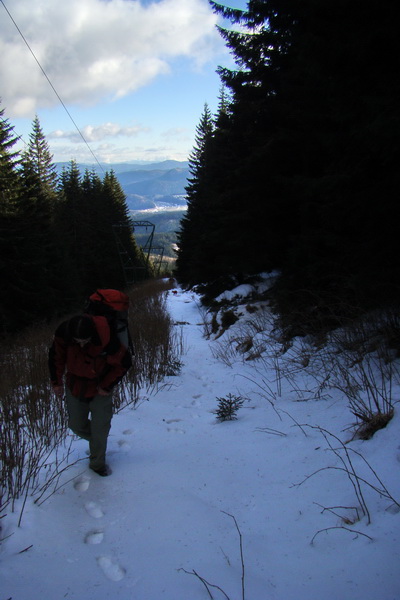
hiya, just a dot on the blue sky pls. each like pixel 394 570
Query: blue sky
pixel 133 74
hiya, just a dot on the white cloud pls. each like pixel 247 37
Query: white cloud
pixel 98 133
pixel 110 153
pixel 112 143
pixel 97 49
pixel 174 132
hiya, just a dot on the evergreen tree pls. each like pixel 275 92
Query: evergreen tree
pixel 222 120
pixel 9 161
pixel 95 232
pixel 51 281
pixel 194 225
pixel 241 199
pixel 304 186
pixel 73 227
pixel 10 227
pixel 259 215
pixel 125 263
pixel 26 243
pixel 37 162
pixel 57 245
pixel 337 119
pixel 90 211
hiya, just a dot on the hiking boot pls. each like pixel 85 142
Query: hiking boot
pixel 103 471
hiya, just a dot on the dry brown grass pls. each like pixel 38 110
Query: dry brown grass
pixel 156 349
pixel 32 419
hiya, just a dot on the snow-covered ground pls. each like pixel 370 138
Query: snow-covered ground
pixel 186 491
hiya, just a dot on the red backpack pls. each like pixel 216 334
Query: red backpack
pixel 114 305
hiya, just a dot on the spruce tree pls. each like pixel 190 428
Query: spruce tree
pixel 26 241
pixel 191 263
pixel 260 215
pixel 96 254
pixel 37 162
pixel 9 162
pixel 248 218
pixel 42 199
pixel 10 228
pixel 73 227
pixel 124 263
pixel 90 208
pixel 311 121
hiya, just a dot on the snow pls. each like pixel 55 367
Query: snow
pixel 246 289
pixel 186 491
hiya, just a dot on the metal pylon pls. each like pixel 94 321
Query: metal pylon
pixel 128 266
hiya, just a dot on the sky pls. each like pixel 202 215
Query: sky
pixel 131 75
pixel 186 490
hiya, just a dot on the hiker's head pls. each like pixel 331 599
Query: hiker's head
pixel 81 329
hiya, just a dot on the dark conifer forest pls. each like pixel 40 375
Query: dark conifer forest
pixel 58 240
pixel 298 171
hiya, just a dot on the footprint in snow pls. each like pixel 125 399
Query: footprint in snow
pixel 393 509
pixel 127 432
pixel 110 568
pixel 123 445
pixel 94 537
pixel 94 510
pixel 82 484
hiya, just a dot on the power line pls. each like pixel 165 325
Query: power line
pixel 51 85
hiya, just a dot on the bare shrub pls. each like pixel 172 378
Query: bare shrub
pixel 248 341
pixel 205 320
pixel 359 482
pixel 154 338
pixel 359 358
pixel 355 359
pixel 368 386
pixel 365 369
pixel 32 419
pixel 212 586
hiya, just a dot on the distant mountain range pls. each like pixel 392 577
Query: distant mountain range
pixel 146 185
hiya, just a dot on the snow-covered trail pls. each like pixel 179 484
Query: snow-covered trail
pixel 178 477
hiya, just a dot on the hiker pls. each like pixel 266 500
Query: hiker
pixel 93 360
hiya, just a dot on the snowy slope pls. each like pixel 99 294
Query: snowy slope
pixel 180 480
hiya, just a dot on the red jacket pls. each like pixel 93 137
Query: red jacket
pixel 100 364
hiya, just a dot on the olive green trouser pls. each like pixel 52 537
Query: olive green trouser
pixel 95 429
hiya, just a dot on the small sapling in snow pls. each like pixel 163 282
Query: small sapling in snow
pixel 228 407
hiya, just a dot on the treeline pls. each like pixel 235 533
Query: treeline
pixel 298 170
pixel 57 240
